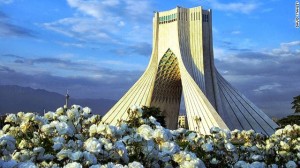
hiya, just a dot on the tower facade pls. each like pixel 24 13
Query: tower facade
pixel 182 62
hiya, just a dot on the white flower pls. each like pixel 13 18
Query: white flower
pixel 73 165
pixel 28 116
pixel 137 109
pixel 288 129
pixel 93 145
pixel 135 165
pixel 169 147
pixel 153 121
pixel 23 144
pixel 22 156
pixel 93 129
pixel 269 145
pixel 122 151
pixel 145 131
pixel 207 147
pixel 192 163
pixel 96 166
pixel 40 120
pixel 89 158
pixel 258 165
pixel 76 108
pixel 110 165
pixel 284 145
pixel 73 114
pixel 162 134
pixel 214 130
pixel 71 144
pixel 134 108
pixel 8 164
pixel 187 159
pixel 50 115
pixel 27 164
pixel 122 129
pixel 75 155
pixel 179 157
pixel 11 118
pixel 278 132
pixel 291 164
pixel 63 154
pixel 38 150
pixel 273 166
pixel 164 157
pixel 241 164
pixel 62 128
pixel 58 143
pixel 257 157
pixel 47 128
pixel 47 157
pixel 86 112
pixel 191 136
pixel 60 111
pixel 181 130
pixel 283 153
pixel 101 129
pixel 54 123
pixel 93 119
pixel 214 161
pixel 229 147
pixel 110 130
pixel 150 150
pixel 108 146
pixel 63 118
pixel 6 127
pixel 225 133
pixel 7 144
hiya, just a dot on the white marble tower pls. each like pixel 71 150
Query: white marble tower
pixel 182 61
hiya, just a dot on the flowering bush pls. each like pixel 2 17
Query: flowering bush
pixel 76 138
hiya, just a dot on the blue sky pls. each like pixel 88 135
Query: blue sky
pixel 98 49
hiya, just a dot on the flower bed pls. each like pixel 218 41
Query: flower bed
pixel 76 138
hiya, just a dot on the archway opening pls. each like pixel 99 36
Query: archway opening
pixel 168 89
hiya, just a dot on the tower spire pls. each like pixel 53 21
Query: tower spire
pixel 67 100
pixel 182 61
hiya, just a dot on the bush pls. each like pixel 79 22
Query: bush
pixel 76 138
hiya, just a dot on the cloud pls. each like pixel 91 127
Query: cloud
pixel 6 1
pixel 6 69
pixel 66 44
pixel 240 47
pixel 137 9
pixel 81 86
pixel 285 49
pixel 2 15
pixel 237 7
pixel 104 21
pixel 8 29
pixel 267 87
pixel 43 60
pixel 12 56
pixel 143 49
pixel 66 66
pixel 236 32
pixel 85 29
pixel 269 78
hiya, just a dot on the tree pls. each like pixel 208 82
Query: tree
pixel 296 104
pixel 156 113
pixel 289 120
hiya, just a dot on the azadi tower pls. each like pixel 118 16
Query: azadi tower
pixel 182 61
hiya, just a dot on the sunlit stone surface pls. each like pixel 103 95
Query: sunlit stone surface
pixel 182 61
